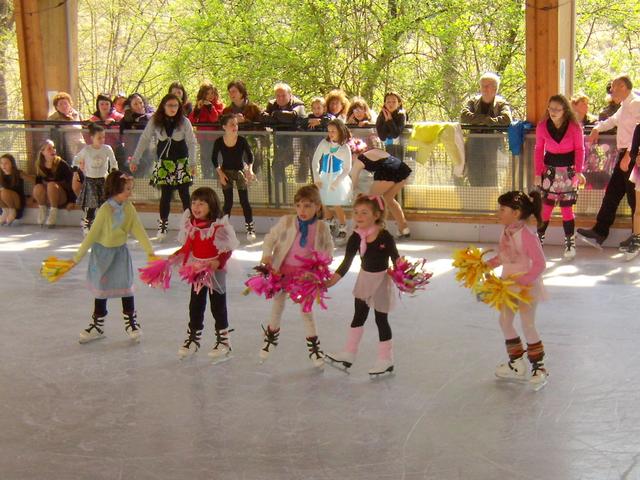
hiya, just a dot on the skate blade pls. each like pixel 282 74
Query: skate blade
pixel 338 365
pixel 82 340
pixel 377 374
pixel 215 361
pixel 539 386
pixel 520 380
pixel 591 242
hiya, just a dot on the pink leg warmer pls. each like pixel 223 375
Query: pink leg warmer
pixel 353 339
pixel 567 213
pixel 547 210
pixel 385 350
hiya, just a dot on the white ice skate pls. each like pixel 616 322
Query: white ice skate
pixel 344 359
pixel 251 231
pixel 569 248
pixel 381 366
pixel 163 226
pixel 315 354
pixel 270 341
pixel 42 215
pixel 191 345
pixel 221 350
pixel 515 370
pixel 539 376
pixel 95 331
pixel 132 327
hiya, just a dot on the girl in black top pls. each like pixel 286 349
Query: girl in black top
pixel 374 287
pixel 136 116
pixel 232 158
pixel 52 185
pixel 12 198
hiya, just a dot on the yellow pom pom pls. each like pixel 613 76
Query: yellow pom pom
pixel 503 293
pixel 53 268
pixel 471 267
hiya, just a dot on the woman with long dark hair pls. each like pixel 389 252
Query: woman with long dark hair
pixel 176 152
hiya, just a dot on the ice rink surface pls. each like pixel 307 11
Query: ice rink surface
pixel 114 410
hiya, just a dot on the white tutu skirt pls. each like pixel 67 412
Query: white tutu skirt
pixel 538 292
pixel 377 289
pixel 341 195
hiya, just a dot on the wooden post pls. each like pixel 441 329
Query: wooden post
pixel 47 46
pixel 550 52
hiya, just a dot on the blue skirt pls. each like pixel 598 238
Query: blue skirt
pixel 110 273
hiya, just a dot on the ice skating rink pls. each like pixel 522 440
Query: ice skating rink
pixel 113 410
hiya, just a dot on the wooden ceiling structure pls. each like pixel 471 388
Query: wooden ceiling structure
pixel 48 49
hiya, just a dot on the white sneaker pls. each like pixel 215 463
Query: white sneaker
pixel 270 341
pixel 315 354
pixel 95 330
pixel 344 357
pixel 514 369
pixel 191 345
pixel 42 214
pixel 222 348
pixel 52 218
pixel 132 327
pixel 569 248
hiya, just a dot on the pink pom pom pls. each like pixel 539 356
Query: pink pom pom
pixel 308 286
pixel 409 276
pixel 265 282
pixel 157 273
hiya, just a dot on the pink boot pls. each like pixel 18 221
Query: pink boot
pixel 384 363
pixel 348 355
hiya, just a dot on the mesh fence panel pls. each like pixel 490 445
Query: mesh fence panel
pixel 282 163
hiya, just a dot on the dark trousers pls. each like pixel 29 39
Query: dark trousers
pixel 166 192
pixel 382 319
pixel 618 186
pixel 100 306
pixel 244 202
pixel 482 161
pixel 198 305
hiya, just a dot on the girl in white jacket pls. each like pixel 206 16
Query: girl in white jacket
pixel 296 236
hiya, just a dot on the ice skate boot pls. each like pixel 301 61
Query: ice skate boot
pixel 132 327
pixel 270 341
pixel 163 227
pixel 569 247
pixel 384 362
pixel 315 354
pixel 95 330
pixel 348 355
pixel 222 348
pixel 191 345
pixel 633 249
pixel 251 231
pixel 86 226
pixel 539 375
pixel 52 218
pixel 513 370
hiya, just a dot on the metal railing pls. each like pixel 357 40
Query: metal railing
pixel 283 163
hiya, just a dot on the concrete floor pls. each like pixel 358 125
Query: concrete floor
pixel 112 410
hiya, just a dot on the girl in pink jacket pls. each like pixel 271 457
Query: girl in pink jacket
pixel 521 257
pixel 559 159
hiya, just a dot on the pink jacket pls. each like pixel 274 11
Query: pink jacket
pixel 572 141
pixel 520 253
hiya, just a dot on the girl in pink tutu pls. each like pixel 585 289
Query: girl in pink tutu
pixel 374 287
pixel 209 240
pixel 522 259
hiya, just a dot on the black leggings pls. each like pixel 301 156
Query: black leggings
pixel 382 319
pixel 100 306
pixel 244 202
pixel 166 192
pixel 198 304
pixel 90 214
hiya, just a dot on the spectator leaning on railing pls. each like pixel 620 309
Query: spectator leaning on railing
pixel 625 119
pixel 487 109
pixel 70 140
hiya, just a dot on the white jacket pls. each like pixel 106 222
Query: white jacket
pixel 280 238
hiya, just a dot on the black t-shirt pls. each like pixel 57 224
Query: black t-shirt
pixel 376 257
pixel 231 158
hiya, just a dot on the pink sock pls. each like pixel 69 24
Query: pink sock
pixel 353 339
pixel 385 350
